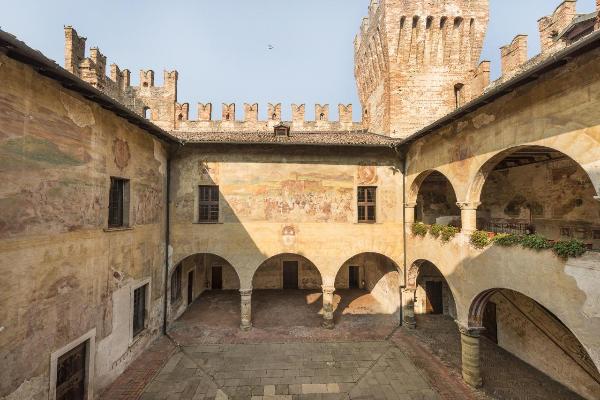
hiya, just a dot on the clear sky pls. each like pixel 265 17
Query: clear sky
pixel 221 47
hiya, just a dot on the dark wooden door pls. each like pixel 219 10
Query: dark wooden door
pixel 70 374
pixel 489 322
pixel 217 277
pixel 435 302
pixel 353 277
pixel 190 292
pixel 290 274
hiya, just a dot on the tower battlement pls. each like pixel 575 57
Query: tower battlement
pixel 416 61
pixel 250 121
pixel 409 57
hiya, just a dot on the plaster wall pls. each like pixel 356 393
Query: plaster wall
pixel 530 333
pixel 551 195
pixel 63 272
pixel 277 201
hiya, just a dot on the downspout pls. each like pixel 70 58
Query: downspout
pixel 403 285
pixel 167 241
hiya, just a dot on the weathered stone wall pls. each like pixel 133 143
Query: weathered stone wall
pixel 64 273
pixel 280 200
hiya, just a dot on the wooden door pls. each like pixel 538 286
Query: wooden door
pixel 70 374
pixel 489 322
pixel 217 278
pixel 290 274
pixel 435 302
pixel 190 292
pixel 353 277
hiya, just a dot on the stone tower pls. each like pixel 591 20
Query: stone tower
pixel 412 59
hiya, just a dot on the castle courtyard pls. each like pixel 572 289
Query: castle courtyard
pixel 439 240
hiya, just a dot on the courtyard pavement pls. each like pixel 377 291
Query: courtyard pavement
pixel 206 356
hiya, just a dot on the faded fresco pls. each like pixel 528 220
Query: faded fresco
pixel 289 192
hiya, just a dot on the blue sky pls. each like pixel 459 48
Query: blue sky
pixel 220 48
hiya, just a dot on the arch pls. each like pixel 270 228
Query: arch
pixel 478 181
pixel 147 112
pixel 535 313
pixel 271 271
pixel 432 200
pixel 415 187
pixel 414 281
pixel 231 276
pixel 373 272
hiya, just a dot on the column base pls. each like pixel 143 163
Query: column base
pixel 245 327
pixel 410 323
pixel 328 324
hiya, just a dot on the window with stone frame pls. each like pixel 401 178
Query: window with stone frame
pixel 367 206
pixel 139 310
pixel 176 285
pixel 118 203
pixel 208 204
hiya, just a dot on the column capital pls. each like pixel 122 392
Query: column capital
pixel 468 205
pixel 470 331
pixel 246 292
pixel 409 289
pixel 410 205
pixel 328 289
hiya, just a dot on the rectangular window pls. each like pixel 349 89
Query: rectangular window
pixel 366 204
pixel 118 203
pixel 209 204
pixel 176 285
pixel 139 310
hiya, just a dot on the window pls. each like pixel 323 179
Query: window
pixel 176 285
pixel 118 203
pixel 209 204
pixel 458 88
pixel 139 310
pixel 366 204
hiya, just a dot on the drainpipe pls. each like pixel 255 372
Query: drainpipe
pixel 167 241
pixel 403 161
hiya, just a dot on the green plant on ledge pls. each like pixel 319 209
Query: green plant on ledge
pixel 480 239
pixel 436 230
pixel 419 229
pixel 448 232
pixel 535 242
pixel 506 239
pixel 569 248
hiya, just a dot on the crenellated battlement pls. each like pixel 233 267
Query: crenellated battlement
pixel 250 121
pixel 417 61
pixel 409 54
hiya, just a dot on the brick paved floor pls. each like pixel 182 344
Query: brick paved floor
pixel 214 360
pixel 285 316
pixel 341 370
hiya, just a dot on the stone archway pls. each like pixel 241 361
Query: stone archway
pixel 366 287
pixel 286 292
pixel 530 331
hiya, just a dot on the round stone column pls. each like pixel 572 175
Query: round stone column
pixel 328 307
pixel 468 216
pixel 469 340
pixel 408 308
pixel 246 309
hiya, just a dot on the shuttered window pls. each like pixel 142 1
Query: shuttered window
pixel 139 310
pixel 209 204
pixel 367 204
pixel 176 284
pixel 118 207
